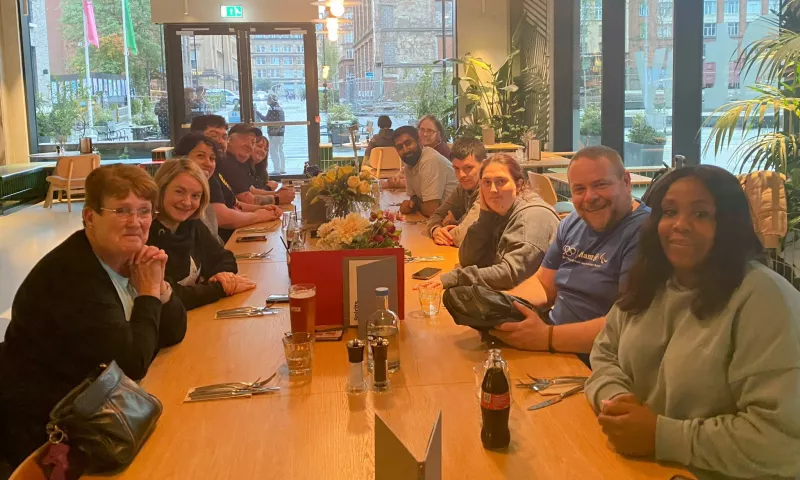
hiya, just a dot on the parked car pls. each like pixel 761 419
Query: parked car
pixel 261 96
pixel 230 97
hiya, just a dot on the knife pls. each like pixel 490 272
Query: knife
pixel 557 399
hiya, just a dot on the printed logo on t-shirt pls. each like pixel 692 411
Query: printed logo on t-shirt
pixel 572 254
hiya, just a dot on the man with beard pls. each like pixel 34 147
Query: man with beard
pixel 429 176
pixel 587 264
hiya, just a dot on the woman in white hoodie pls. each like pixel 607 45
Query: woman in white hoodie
pixel 699 361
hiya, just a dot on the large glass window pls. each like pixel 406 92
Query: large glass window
pixel 723 79
pixel 648 86
pixel 590 84
pixel 82 86
pixel 384 63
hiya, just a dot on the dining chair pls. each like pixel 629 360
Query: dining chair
pixel 70 176
pixel 29 469
pixel 544 187
pixel 384 162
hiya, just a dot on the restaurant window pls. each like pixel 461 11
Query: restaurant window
pixel 376 67
pixel 723 78
pixel 590 85
pixel 76 97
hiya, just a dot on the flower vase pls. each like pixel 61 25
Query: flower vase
pixel 335 209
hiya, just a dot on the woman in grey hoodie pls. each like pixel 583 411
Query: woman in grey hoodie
pixel 699 361
pixel 505 246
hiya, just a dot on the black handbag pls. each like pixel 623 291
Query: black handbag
pixel 107 419
pixel 482 308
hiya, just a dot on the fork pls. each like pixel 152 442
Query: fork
pixel 254 385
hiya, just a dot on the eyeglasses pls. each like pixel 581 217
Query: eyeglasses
pixel 427 131
pixel 126 212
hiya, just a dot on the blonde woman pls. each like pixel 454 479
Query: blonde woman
pixel 199 269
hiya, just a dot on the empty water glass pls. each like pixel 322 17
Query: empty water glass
pixel 430 300
pixel 299 350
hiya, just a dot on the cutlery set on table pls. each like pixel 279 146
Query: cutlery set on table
pixel 541 386
pixel 223 391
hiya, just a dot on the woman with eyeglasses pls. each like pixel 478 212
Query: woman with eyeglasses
pixel 199 269
pixel 514 229
pixel 699 360
pixel 431 134
pixel 98 296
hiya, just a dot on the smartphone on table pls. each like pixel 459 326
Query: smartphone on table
pixel 252 238
pixel 426 273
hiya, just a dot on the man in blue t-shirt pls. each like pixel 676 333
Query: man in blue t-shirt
pixel 587 263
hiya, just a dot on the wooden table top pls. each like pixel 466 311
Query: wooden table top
pixel 546 162
pixel 636 179
pixel 311 429
pixel 503 147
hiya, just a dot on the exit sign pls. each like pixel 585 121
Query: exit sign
pixel 231 11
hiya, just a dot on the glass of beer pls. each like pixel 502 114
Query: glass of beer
pixel 303 307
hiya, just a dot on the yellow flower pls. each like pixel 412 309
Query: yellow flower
pixel 317 182
pixel 331 175
pixel 352 182
pixel 366 175
pixel 345 171
pixel 363 188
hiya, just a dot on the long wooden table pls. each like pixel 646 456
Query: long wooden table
pixel 311 429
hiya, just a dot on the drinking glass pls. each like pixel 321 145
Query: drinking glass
pixel 430 300
pixel 303 307
pixel 299 350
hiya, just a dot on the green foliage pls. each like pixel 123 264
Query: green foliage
pixel 643 133
pixel 263 84
pixel 43 124
pixel 147 65
pixel 341 112
pixel 429 96
pixel 60 117
pixel 330 54
pixel 591 120
pixel 145 118
pixel 509 104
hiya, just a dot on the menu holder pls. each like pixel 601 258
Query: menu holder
pixel 362 275
pixel 325 270
pixel 393 461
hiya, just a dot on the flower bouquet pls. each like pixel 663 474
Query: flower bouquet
pixel 356 232
pixel 343 189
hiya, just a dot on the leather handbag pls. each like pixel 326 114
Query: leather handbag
pixel 481 308
pixel 107 418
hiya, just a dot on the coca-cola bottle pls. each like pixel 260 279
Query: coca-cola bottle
pixel 495 402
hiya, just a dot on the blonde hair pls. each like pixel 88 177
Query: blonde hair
pixel 170 170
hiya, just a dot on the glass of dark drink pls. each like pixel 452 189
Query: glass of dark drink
pixel 303 307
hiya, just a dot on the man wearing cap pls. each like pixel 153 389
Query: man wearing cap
pixel 234 169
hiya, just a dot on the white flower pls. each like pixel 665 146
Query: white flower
pixel 341 232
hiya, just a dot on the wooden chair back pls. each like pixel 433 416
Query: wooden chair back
pixel 543 186
pixel 29 469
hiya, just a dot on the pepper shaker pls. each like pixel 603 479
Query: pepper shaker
pixel 355 381
pixel 380 373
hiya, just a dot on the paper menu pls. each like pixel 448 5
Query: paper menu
pixel 393 461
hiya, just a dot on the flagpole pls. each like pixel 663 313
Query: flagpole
pixel 127 68
pixel 89 85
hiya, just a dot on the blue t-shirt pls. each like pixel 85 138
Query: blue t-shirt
pixel 591 265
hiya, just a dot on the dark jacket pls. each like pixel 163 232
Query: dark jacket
pixel 192 240
pixel 67 319
pixel 382 139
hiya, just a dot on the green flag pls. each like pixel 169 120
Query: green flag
pixel 129 35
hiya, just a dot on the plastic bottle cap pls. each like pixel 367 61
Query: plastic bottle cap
pixel 382 292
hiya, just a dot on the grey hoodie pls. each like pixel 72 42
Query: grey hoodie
pixel 500 252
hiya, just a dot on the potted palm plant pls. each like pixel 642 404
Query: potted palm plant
pixel 645 145
pixel 340 119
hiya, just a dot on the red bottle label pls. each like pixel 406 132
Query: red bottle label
pixel 493 401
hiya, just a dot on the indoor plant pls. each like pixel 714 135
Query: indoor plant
pixel 343 189
pixel 339 120
pixel 645 145
pixel 591 125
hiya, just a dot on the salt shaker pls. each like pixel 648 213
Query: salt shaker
pixel 355 380
pixel 380 357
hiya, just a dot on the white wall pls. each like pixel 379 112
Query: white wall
pixel 208 11
pixel 484 32
pixel 12 88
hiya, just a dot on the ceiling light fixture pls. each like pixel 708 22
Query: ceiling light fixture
pixel 337 7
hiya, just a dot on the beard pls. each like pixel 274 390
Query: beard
pixel 411 159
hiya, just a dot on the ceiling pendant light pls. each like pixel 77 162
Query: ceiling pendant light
pixel 332 24
pixel 336 8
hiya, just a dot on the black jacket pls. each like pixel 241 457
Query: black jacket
pixel 67 319
pixel 192 239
